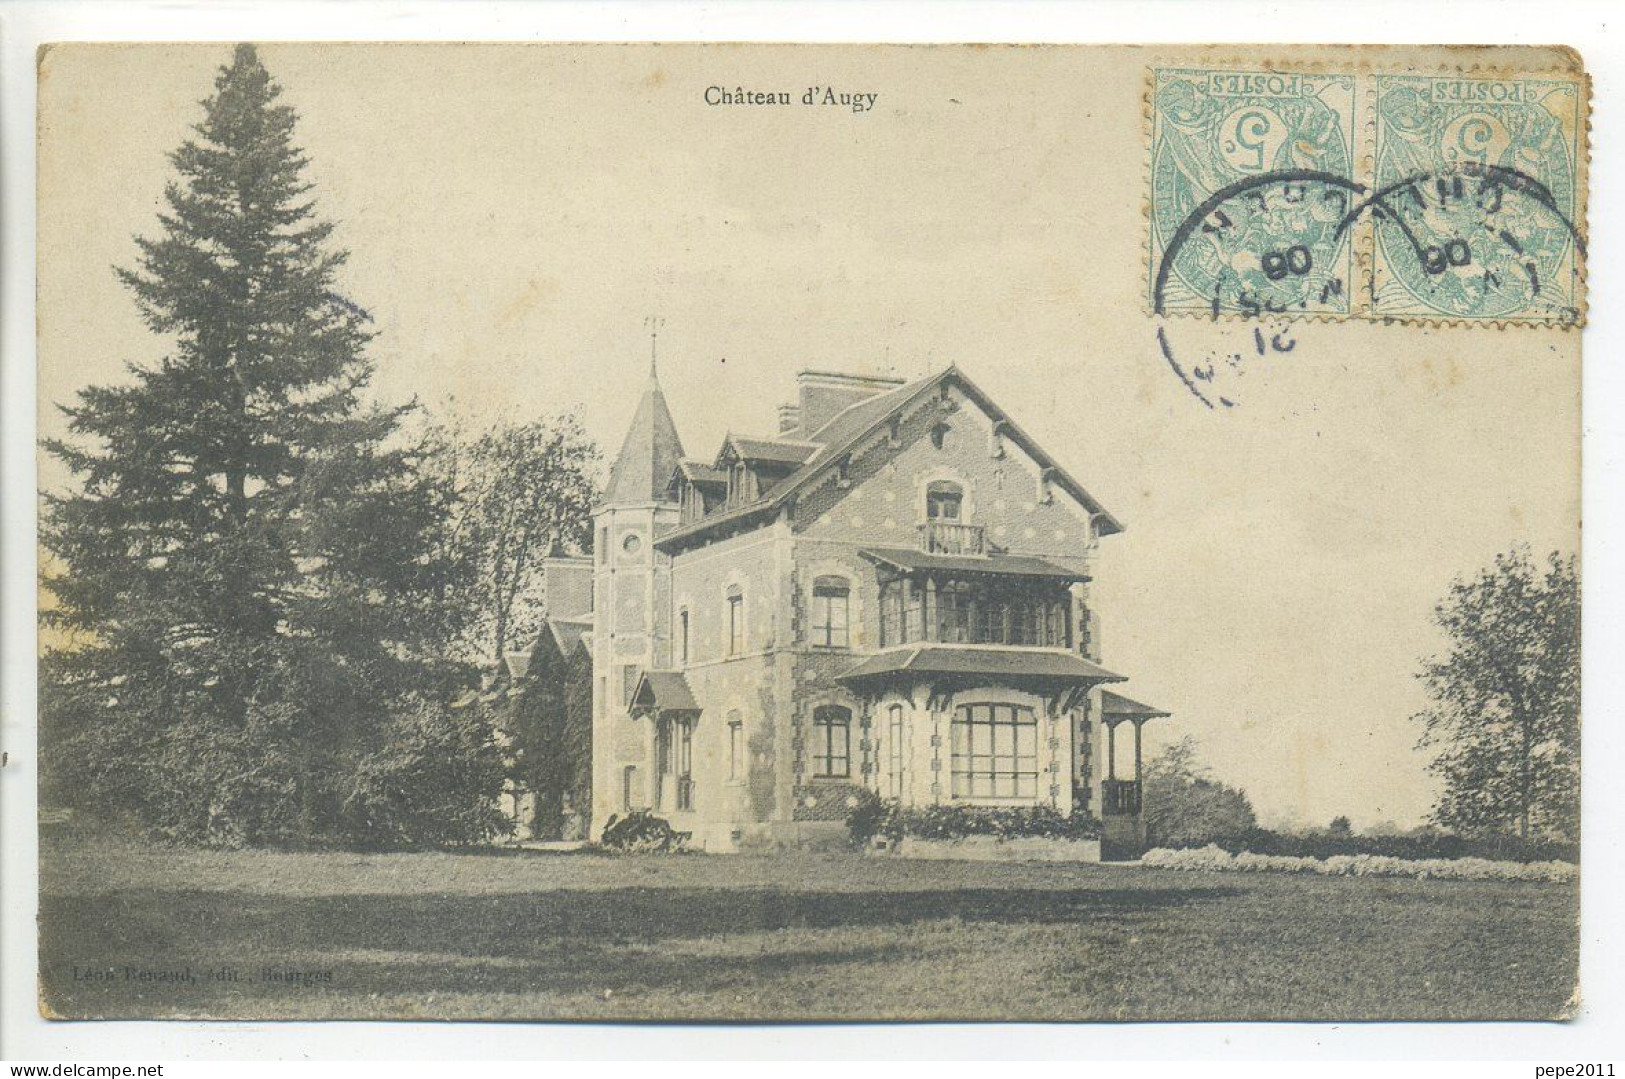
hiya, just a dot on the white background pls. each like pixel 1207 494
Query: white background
pixel 1593 1036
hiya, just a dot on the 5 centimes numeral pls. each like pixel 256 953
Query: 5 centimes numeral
pixel 1266 156
pixel 1477 197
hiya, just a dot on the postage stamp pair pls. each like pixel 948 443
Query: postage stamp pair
pixel 1360 194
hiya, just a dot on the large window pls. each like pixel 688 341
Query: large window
pixel 831 613
pixel 995 751
pixel 832 742
pixel 736 622
pixel 896 745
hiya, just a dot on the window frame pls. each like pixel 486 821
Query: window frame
pixel 823 632
pixel 736 748
pixel 942 493
pixel 828 719
pixel 736 621
pixel 896 743
pixel 987 765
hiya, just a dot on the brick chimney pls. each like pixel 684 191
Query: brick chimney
pixel 825 393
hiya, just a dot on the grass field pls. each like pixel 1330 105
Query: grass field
pixel 542 936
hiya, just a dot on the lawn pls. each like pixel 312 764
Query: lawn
pixel 587 936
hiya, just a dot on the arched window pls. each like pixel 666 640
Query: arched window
pixel 682 635
pixel 832 742
pixel 831 613
pixel 944 501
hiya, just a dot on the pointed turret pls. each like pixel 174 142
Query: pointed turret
pixel 650 453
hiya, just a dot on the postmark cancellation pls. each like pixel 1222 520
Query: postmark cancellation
pixel 1453 197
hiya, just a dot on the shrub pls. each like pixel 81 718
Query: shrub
pixel 435 782
pixel 874 816
pixel 1185 806
pixel 641 832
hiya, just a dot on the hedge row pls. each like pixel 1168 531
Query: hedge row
pixel 1421 846
pixel 874 816
pixel 1216 859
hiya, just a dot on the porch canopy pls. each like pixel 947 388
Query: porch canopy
pixel 932 663
pixel 907 560
pixel 1116 708
pixel 661 693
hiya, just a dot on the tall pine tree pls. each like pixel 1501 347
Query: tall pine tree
pixel 251 566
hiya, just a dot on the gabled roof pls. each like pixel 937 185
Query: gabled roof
pixel 700 472
pixel 568 632
pixel 864 419
pixel 643 468
pixel 944 660
pixel 902 558
pixel 774 451
pixel 663 691
pixel 1116 705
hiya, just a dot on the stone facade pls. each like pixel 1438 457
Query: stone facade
pixel 730 628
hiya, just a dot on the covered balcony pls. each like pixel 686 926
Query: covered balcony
pixel 966 599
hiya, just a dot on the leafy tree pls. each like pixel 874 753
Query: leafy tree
pixel 1504 713
pixel 523 489
pixel 1341 826
pixel 1185 805
pixel 249 565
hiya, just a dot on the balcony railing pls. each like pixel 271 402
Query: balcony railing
pixel 1120 797
pixel 951 537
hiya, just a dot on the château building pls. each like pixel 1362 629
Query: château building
pixel 890 591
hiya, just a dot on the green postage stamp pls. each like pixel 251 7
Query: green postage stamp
pixel 1449 197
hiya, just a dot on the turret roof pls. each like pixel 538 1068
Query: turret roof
pixel 650 452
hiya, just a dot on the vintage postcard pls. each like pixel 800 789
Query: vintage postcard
pixel 774 532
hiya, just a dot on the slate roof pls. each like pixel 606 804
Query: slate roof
pixel 700 472
pixel 650 453
pixel 859 421
pixel 1040 665
pixel 664 691
pixel 1115 704
pixel 568 632
pixel 783 452
pixel 907 560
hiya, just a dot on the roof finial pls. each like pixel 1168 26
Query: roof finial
pixel 654 322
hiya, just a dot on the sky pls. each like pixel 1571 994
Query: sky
pixel 515 214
